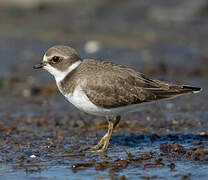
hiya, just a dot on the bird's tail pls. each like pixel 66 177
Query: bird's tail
pixel 191 89
pixel 173 91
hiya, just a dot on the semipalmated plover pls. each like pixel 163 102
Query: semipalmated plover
pixel 105 89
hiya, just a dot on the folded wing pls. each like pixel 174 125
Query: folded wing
pixel 118 86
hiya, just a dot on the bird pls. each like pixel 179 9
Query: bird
pixel 103 88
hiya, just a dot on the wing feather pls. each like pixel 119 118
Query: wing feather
pixel 116 86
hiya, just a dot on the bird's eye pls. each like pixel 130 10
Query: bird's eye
pixel 55 59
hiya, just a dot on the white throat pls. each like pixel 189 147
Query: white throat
pixel 60 75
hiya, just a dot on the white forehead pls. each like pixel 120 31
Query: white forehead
pixel 45 58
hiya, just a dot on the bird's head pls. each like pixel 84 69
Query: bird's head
pixel 59 61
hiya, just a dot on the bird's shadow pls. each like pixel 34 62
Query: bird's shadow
pixel 137 139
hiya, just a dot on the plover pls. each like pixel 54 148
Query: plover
pixel 103 88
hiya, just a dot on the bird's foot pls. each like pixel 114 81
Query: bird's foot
pixel 102 146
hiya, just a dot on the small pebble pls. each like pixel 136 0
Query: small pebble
pixel 32 156
pixel 202 133
pixel 172 166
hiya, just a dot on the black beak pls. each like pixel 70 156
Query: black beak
pixel 38 66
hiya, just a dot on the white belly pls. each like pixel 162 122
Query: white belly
pixel 82 102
